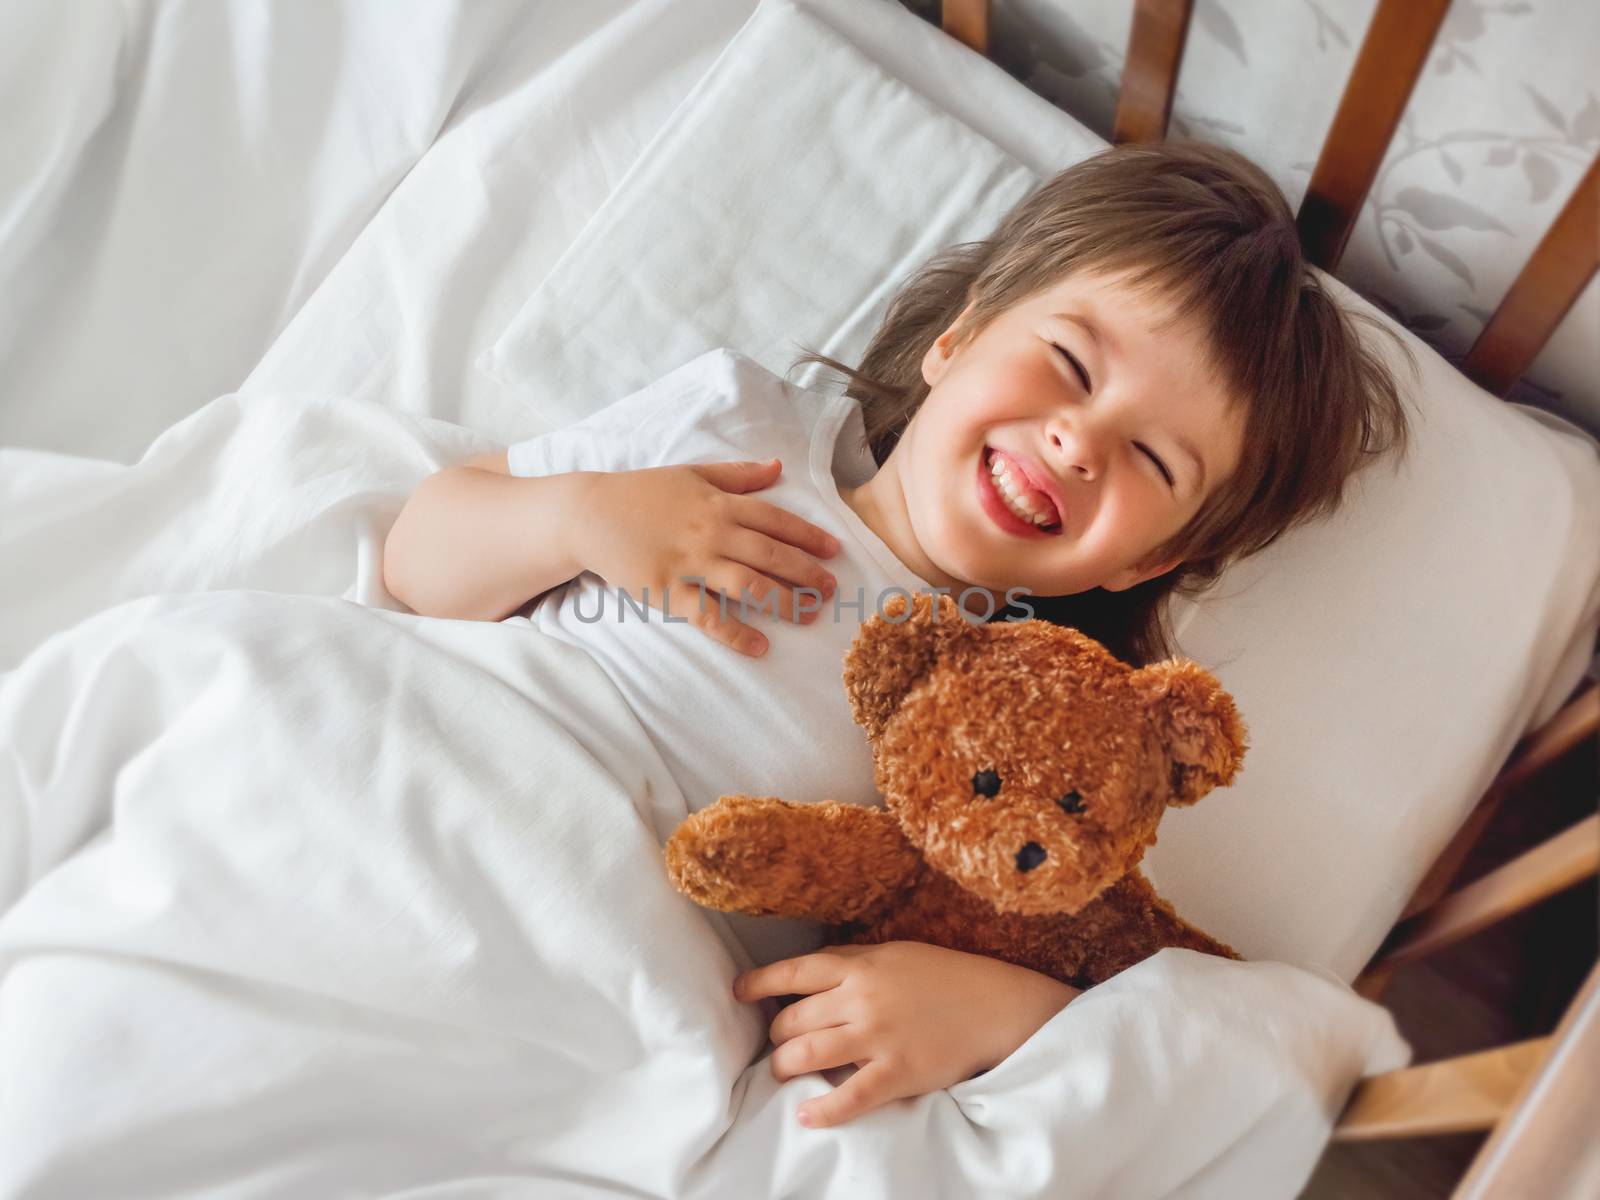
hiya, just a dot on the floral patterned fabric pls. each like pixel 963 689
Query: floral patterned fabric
pixel 1503 122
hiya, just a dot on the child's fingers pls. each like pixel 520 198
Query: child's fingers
pixel 752 596
pixel 819 1050
pixel 766 517
pixel 739 476
pixel 824 1010
pixel 798 976
pixel 871 1087
pixel 780 564
pixel 697 603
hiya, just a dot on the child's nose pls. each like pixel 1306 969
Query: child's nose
pixel 1077 449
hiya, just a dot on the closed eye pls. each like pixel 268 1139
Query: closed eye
pixel 1165 473
pixel 1083 376
pixel 1088 386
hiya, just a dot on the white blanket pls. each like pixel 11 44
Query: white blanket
pixel 308 896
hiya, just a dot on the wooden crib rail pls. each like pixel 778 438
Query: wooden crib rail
pixel 1561 267
pixel 1536 1096
pixel 1482 1091
pixel 1391 58
pixel 1477 1091
pixel 1551 867
pixel 1456 1095
pixel 967 21
pixel 1150 71
pixel 1546 1140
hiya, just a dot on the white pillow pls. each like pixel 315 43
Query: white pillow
pixel 1385 661
pixel 733 236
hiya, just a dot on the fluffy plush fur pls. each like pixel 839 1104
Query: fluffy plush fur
pixel 1023 768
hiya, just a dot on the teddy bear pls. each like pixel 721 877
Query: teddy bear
pixel 1023 769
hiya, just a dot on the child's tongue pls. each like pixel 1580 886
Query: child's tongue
pixel 1040 501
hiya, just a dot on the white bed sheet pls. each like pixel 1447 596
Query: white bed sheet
pixel 177 177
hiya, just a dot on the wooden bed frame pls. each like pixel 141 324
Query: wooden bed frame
pixel 1537 1098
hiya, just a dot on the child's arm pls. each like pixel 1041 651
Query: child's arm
pixel 474 542
pixel 913 1016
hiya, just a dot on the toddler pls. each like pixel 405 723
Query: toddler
pixel 1134 381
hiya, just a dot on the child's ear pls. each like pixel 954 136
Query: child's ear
pixel 937 359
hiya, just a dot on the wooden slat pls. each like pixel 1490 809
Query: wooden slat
pixel 1374 980
pixel 967 21
pixel 1150 72
pixel 1390 60
pixel 1545 1143
pixel 1524 881
pixel 1457 1095
pixel 1561 267
pixel 1577 719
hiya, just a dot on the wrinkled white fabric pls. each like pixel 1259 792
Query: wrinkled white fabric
pixel 310 896
pixel 178 178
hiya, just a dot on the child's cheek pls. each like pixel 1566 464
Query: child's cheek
pixel 1010 391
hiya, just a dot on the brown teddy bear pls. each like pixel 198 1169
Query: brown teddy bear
pixel 1024 769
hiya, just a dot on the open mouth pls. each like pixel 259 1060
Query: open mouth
pixel 1011 501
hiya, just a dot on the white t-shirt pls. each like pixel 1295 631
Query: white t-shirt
pixel 724 722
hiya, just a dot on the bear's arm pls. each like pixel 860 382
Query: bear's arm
pixel 760 855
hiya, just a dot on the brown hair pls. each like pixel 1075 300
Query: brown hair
pixel 1211 231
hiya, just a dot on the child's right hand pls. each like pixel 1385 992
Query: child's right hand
pixel 655 527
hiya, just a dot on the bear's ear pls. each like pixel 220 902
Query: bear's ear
pixel 1197 723
pixel 894 649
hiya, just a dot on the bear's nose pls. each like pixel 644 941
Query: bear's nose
pixel 1030 856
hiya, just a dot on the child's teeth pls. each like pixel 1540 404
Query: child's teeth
pixel 1014 492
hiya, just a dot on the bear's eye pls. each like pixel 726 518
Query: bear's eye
pixel 1072 802
pixel 986 783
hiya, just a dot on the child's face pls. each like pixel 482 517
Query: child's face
pixel 1011 389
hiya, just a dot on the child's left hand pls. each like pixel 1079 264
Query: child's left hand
pixel 914 1017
